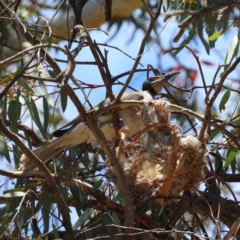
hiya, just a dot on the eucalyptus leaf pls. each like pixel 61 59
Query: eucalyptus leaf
pixel 83 218
pixel 187 40
pixel 231 156
pixel 224 100
pixel 215 36
pixel 22 83
pixel 14 193
pixel 14 113
pixel 200 34
pixel 45 92
pixel 231 50
pixel 47 201
pixel 21 218
pixel 64 98
pixel 36 117
pixel 45 114
pixel 96 186
pixel 17 154
pixel 4 148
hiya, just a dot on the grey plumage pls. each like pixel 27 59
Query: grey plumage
pixel 76 132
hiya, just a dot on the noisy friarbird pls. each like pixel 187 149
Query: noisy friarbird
pixel 76 131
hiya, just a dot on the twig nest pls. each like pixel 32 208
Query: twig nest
pixel 160 160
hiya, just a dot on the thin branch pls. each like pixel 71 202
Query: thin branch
pixel 232 230
pixel 199 66
pixel 19 74
pixel 89 120
pixel 199 15
pixel 141 49
pixel 215 95
pixel 50 180
pixel 173 107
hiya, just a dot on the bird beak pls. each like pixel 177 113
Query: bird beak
pixel 158 82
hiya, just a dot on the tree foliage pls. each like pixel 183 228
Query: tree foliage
pixel 86 192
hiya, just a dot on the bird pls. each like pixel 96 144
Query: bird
pixel 76 131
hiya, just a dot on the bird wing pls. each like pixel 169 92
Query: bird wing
pixel 135 96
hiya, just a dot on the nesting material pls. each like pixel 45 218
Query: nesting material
pixel 160 160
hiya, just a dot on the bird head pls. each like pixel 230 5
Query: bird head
pixel 154 84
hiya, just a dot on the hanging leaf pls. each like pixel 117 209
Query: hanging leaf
pixel 4 148
pixel 45 114
pixel 96 186
pixel 22 83
pixel 45 92
pixel 231 50
pixel 166 4
pixel 224 100
pixel 16 192
pixel 231 156
pixel 64 99
pixel 17 154
pixel 215 36
pixel 20 220
pixel 218 162
pixel 52 73
pixel 200 34
pixel 36 117
pixel 83 219
pixel 214 134
pixel 14 113
pixel 64 192
pixel 55 232
pixel 46 206
pixel 187 40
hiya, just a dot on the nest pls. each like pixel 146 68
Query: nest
pixel 160 160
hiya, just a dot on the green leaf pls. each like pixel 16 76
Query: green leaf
pixel 96 186
pixel 83 218
pixel 55 232
pixel 200 34
pixel 36 117
pixel 64 192
pixel 10 207
pixel 231 156
pixel 52 73
pixel 187 40
pixel 224 100
pixel 4 103
pixel 218 163
pixel 22 83
pixel 17 192
pixel 6 221
pixel 115 218
pixel 233 165
pixel 215 36
pixel 165 5
pixel 4 148
pixel 45 114
pixel 21 218
pixel 46 206
pixel 14 113
pixel 45 92
pixel 17 154
pixel 75 82
pixel 214 134
pixel 231 50
pixel 64 99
